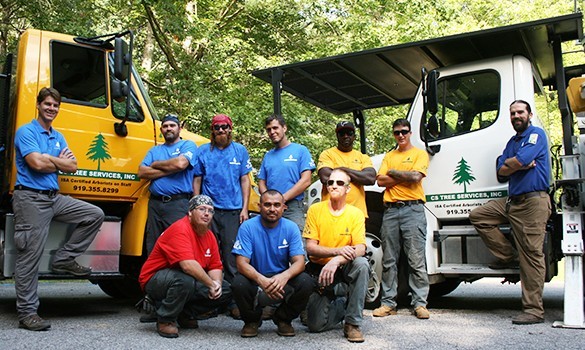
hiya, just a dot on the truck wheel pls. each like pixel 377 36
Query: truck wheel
pixel 123 288
pixel 444 288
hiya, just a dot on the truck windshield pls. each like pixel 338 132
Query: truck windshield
pixel 467 103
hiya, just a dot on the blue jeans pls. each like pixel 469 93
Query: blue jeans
pixel 408 225
pixel 175 292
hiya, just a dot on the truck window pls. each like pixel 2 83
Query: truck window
pixel 467 103
pixel 79 74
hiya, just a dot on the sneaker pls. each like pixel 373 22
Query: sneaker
pixel 353 333
pixel 384 310
pixel 284 329
pixel 526 318
pixel 187 322
pixel 34 323
pixel 167 329
pixel 422 313
pixel 250 330
pixel 71 268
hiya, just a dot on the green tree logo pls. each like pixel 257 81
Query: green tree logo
pixel 98 150
pixel 463 174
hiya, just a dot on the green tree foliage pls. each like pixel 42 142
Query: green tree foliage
pixel 196 56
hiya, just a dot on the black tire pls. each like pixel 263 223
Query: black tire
pixel 443 288
pixel 122 288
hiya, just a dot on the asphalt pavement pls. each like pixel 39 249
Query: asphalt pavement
pixel 474 316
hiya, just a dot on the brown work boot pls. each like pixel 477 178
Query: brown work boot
pixel 284 329
pixel 34 323
pixel 526 318
pixel 422 313
pixel 384 310
pixel 167 329
pixel 353 333
pixel 250 330
pixel 187 322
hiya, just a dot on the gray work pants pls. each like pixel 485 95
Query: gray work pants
pixel 33 213
pixel 346 301
pixel 295 212
pixel 406 227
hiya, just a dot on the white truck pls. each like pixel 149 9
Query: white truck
pixel 459 112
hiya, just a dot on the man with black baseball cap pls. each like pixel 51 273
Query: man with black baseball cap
pixel 169 166
pixel 356 164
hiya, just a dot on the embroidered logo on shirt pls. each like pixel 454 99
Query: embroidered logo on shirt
pixel 533 139
pixel 237 245
pixel 188 154
pixel 208 253
pixel 290 159
pixel 57 145
pixel 176 152
pixel 284 244
pixel 235 162
pixel 346 233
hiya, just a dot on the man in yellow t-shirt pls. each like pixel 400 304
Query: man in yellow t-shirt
pixel 356 164
pixel 402 172
pixel 335 236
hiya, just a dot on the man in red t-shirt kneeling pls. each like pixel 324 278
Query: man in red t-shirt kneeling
pixel 184 274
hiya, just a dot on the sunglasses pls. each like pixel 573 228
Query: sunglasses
pixel 336 182
pixel 346 133
pixel 402 132
pixel 216 127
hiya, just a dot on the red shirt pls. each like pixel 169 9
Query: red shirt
pixel 177 243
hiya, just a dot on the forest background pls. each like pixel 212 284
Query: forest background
pixel 196 56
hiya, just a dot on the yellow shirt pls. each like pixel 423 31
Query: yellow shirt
pixel 355 160
pixel 331 231
pixel 414 159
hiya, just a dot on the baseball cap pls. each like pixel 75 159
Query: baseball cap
pixel 221 119
pixel 171 117
pixel 344 125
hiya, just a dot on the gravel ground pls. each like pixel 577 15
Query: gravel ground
pixel 475 316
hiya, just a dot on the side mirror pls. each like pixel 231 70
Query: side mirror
pixel 121 59
pixel 119 89
pixel 432 98
pixel 433 126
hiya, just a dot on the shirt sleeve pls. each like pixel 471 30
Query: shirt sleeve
pixel 310 231
pixel 262 172
pixel 295 241
pixel 366 161
pixel 421 163
pixel 384 166
pixel 189 151
pixel 358 234
pixel 325 160
pixel 307 160
pixel 148 158
pixel 198 163
pixel 246 164
pixel 531 148
pixel 243 243
pixel 26 142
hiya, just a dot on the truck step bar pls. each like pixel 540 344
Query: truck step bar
pixel 474 269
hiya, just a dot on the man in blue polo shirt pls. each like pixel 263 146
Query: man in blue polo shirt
pixel 525 164
pixel 170 168
pixel 221 172
pixel 41 152
pixel 270 258
pixel 286 168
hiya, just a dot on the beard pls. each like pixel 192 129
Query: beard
pixel 222 140
pixel 520 125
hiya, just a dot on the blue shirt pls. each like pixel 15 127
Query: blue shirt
pixel 221 170
pixel 31 138
pixel 180 182
pixel 530 145
pixel 282 167
pixel 269 249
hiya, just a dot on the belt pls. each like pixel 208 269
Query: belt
pixel 50 193
pixel 522 197
pixel 172 197
pixel 400 204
